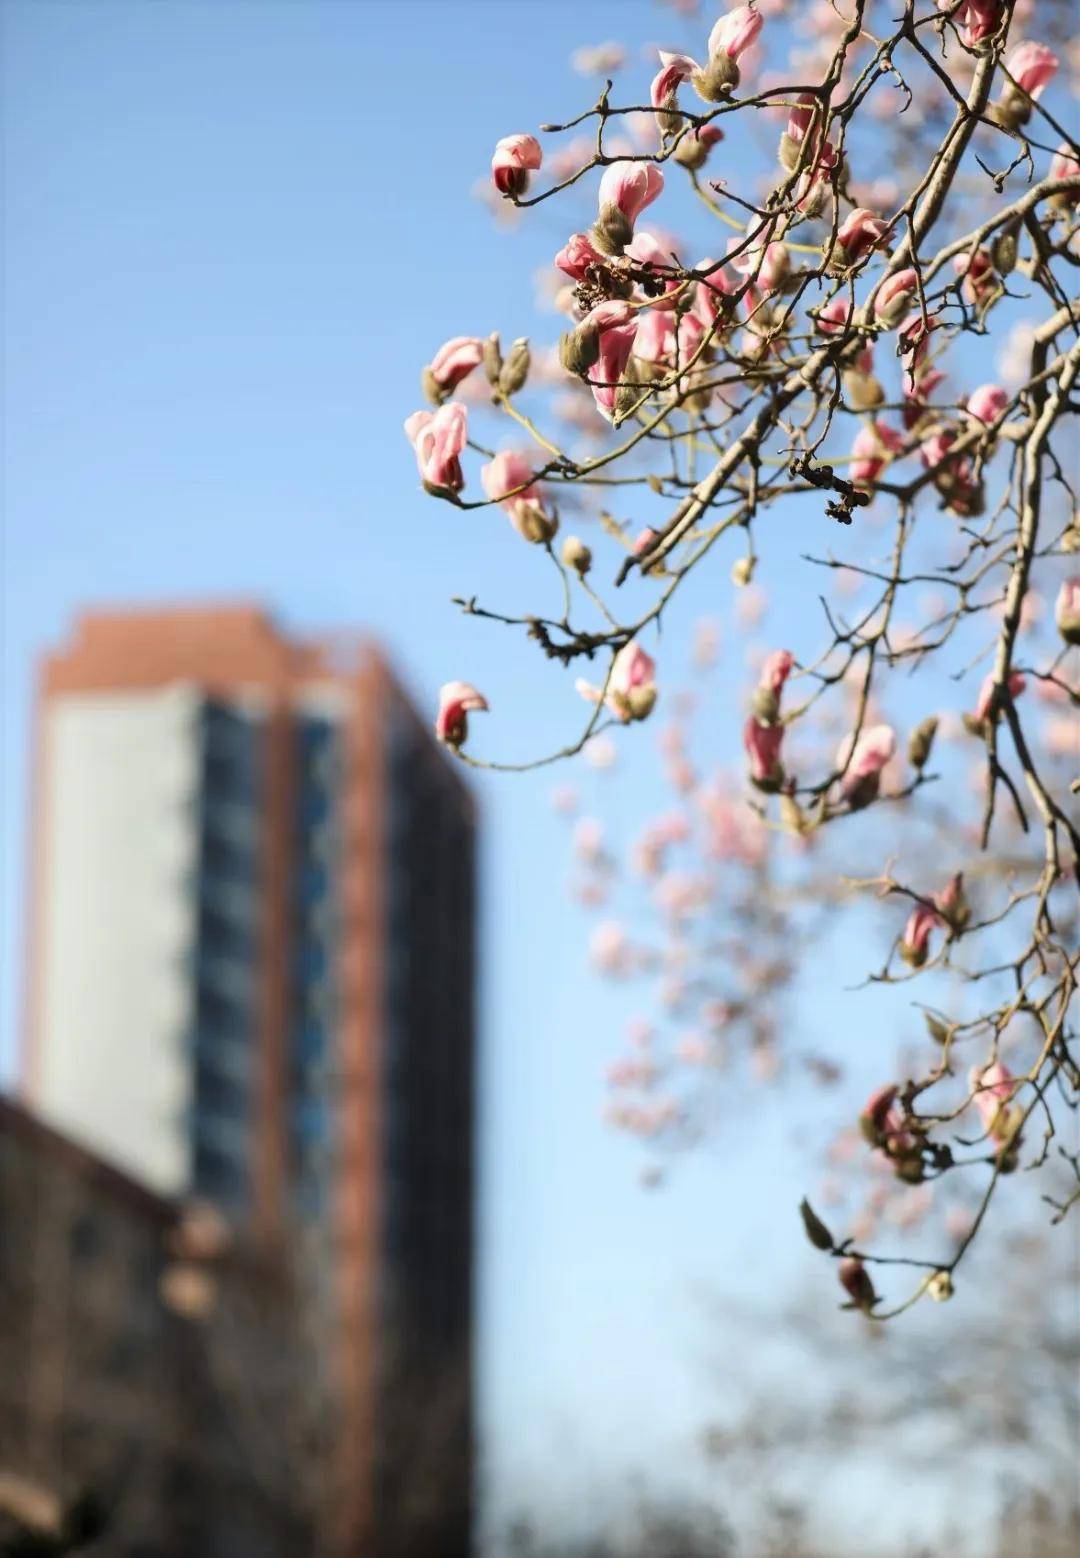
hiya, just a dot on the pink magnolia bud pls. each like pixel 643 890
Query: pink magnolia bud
pixel 984 703
pixel 993 1087
pixel 454 361
pixel 859 233
pixel 501 478
pixel 768 266
pixel 871 452
pixel 776 670
pixel 631 690
pixel 861 762
pixel 977 274
pixel 456 700
pixel 710 292
pixel 578 256
pixel 977 19
pixel 1067 610
pixel 695 145
pixel 894 295
pixel 915 945
pixel 616 325
pixel 630 187
pixel 735 32
pixel 952 903
pixel 763 743
pixel 516 156
pixel 438 437
pixel 1064 165
pixel 855 1280
pixel 878 1111
pixel 801 117
pixel 1032 66
pixel 987 403
pixel 835 317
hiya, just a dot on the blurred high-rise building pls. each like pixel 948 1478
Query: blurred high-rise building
pixel 251 981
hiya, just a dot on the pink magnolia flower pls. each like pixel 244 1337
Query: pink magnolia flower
pixel 915 944
pixel 455 360
pixel 456 701
pixel 762 744
pixel 984 703
pixel 655 339
pixel 882 1123
pixel 993 1087
pixel 859 233
pixel 674 70
pixel 835 316
pixel 977 19
pixel 501 477
pixel 735 32
pixel 631 689
pixel 438 437
pixel 577 256
pixel 630 187
pixel 1032 66
pixel 977 275
pixel 801 117
pixel 516 156
pixel 710 292
pixel 894 296
pixel 871 452
pixel 617 327
pixel 861 761
pixel 655 258
pixel 1067 610
pixel 767 265
pixel 987 403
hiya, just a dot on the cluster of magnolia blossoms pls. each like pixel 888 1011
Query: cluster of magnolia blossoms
pixel 860 759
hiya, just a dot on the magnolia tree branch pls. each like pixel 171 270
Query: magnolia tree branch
pixel 880 250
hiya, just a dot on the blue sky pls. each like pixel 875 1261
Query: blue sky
pixel 235 230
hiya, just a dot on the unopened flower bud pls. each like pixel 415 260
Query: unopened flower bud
pixel 612 230
pixel 937 1030
pixel 515 370
pixel 862 391
pixel 816 1231
pixel 579 350
pixel 716 81
pixel 789 152
pixel 742 571
pixel 576 555
pixel 536 526
pixel 626 398
pixel 940 1287
pixel 765 705
pixel 921 742
pixel 855 1280
pixel 1067 610
pixel 433 390
pixel 792 816
pixel 641 700
pixel 694 147
pixel 1003 252
pixel 492 359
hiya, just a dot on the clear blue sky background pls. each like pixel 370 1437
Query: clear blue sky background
pixel 234 231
